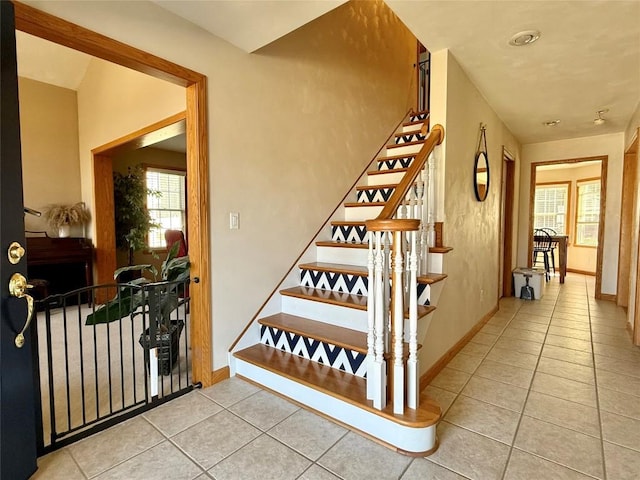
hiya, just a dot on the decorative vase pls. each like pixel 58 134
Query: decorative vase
pixel 64 231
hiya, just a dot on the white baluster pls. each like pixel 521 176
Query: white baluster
pixel 424 244
pixel 380 370
pixel 412 363
pixel 387 287
pixel 371 382
pixel 431 232
pixel 398 324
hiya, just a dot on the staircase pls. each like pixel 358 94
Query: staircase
pixel 341 336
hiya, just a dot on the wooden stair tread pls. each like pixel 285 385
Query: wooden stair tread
pixel 343 223
pixel 336 383
pixel 376 187
pixel 430 278
pixel 365 204
pixel 381 172
pixel 324 332
pixel 395 157
pixel 407 144
pixel 329 243
pixel 335 267
pixel 440 249
pixel 409 132
pixel 342 299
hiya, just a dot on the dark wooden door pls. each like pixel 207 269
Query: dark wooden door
pixel 17 399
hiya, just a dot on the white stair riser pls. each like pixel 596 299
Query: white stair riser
pixel 416 440
pixel 325 312
pixel 361 213
pixel 348 256
pixel 384 178
pixel 404 150
pixel 436 262
pixel 340 358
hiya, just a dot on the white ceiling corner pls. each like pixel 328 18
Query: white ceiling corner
pixel 249 24
pixel 49 62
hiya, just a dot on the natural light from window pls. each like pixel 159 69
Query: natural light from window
pixel 588 213
pixel 551 207
pixel 168 208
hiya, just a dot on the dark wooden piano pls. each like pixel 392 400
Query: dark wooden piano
pixel 65 263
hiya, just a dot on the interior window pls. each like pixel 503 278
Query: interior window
pixel 166 203
pixel 588 212
pixel 551 207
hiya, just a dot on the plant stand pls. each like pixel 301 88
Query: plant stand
pixel 168 346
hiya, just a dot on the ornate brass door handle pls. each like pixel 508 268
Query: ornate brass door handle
pixel 18 288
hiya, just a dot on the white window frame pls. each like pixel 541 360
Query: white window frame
pixel 580 198
pixel 565 213
pixel 177 219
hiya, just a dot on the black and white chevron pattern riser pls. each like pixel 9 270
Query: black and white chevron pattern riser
pixel 395 163
pixel 338 282
pixel 325 353
pixel 349 233
pixel 419 116
pixel 409 137
pixel 423 294
pixel 374 195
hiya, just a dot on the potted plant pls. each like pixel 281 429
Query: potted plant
pixel 132 219
pixel 157 300
pixel 62 217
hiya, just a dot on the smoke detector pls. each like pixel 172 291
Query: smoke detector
pixel 551 123
pixel 599 120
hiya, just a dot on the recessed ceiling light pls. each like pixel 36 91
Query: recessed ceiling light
pixel 527 37
pixel 599 120
pixel 551 123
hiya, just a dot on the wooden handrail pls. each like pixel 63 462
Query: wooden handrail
pixel 436 136
pixel 392 225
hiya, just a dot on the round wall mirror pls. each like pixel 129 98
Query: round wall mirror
pixel 481 176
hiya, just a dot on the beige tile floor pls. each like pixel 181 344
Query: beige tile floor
pixel 549 389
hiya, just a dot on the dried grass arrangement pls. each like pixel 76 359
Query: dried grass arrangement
pixel 60 215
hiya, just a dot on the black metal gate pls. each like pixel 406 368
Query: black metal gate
pixel 96 366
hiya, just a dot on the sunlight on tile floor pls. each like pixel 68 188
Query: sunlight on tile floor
pixel 548 389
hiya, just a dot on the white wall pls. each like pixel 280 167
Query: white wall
pixel 290 128
pixel 472 228
pixel 612 146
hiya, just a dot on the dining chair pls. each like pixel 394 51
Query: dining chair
pixel 542 245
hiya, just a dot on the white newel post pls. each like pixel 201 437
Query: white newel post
pixel 380 370
pixel 424 217
pixel 371 381
pixel 412 363
pixel 398 323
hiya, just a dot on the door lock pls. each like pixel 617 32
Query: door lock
pixel 15 253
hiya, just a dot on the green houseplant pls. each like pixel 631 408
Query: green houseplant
pixel 157 299
pixel 132 219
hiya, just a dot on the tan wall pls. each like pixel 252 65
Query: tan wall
pixel 154 157
pixel 49 136
pixel 472 228
pixel 290 129
pixel 610 145
pixel 578 258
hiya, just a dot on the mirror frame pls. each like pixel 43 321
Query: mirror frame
pixel 480 196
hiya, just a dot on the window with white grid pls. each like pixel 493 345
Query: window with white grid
pixel 168 207
pixel 551 207
pixel 588 213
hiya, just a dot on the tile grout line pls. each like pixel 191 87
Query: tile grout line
pixel 595 380
pixel 524 405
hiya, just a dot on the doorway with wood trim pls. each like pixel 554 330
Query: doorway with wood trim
pixel 507 200
pixel 569 219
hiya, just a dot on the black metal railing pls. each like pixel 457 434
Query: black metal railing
pixel 424 88
pixel 98 365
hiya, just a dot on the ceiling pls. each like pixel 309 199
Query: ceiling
pixel 587 58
